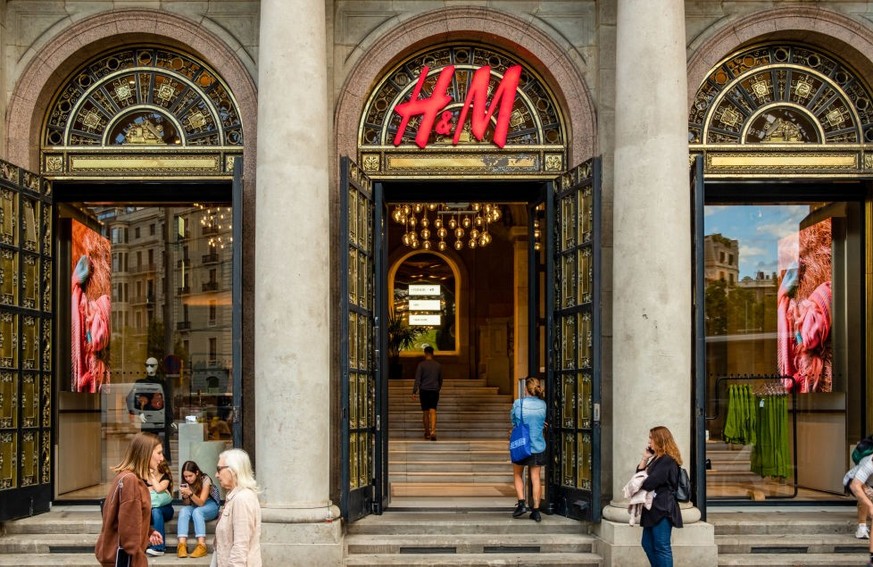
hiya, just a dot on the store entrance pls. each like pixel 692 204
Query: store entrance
pixel 784 361
pixel 501 278
pixel 148 276
pixel 459 265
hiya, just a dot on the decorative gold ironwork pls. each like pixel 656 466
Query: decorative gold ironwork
pixel 824 100
pixel 26 328
pixel 136 97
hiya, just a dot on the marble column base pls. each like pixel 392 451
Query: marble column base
pixel 295 538
pixel 619 543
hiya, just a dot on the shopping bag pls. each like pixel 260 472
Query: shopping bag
pixel 519 443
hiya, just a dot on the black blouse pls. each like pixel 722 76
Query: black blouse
pixel 664 480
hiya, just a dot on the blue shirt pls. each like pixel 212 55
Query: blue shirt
pixel 534 418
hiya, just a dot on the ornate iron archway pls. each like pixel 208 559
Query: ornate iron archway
pixel 142 111
pixel 797 101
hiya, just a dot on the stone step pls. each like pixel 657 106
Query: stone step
pixel 791 543
pixel 456 467
pixel 501 455
pixel 793 560
pixel 839 521
pixel 450 445
pixel 444 434
pixel 464 522
pixel 450 477
pixel 471 543
pixel 451 489
pixel 87 560
pixel 84 519
pixel 476 560
pixel 64 543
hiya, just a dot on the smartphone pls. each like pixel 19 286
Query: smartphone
pixel 650 451
pixel 183 485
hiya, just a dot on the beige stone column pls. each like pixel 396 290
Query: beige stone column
pixel 652 349
pixel 292 322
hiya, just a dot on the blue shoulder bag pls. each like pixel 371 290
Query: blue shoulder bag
pixel 519 440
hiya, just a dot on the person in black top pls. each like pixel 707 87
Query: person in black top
pixel 428 381
pixel 661 460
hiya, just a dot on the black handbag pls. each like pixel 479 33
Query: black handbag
pixel 122 558
pixel 683 490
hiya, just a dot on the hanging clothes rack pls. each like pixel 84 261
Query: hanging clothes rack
pixel 765 385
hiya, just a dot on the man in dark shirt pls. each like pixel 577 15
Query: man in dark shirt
pixel 428 381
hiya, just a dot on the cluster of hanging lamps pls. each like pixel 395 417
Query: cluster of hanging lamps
pixel 435 225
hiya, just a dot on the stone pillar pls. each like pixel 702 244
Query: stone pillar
pixel 652 265
pixel 292 285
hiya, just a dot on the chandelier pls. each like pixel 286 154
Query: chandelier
pixel 433 225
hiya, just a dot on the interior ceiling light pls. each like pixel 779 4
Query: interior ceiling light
pixel 434 225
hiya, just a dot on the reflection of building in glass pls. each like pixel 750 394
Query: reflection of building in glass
pixel 187 266
pixel 721 258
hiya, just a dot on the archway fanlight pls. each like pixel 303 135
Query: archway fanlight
pixel 429 225
pixel 782 93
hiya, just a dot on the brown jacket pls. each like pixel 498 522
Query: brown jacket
pixel 126 521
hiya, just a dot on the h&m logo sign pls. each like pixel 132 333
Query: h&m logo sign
pixel 435 117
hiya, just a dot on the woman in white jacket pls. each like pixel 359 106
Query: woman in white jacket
pixel 238 533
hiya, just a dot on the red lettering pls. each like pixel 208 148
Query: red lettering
pixel 444 126
pixel 428 108
pixel 504 98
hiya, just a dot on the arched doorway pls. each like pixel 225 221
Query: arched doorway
pixel 781 394
pixel 424 151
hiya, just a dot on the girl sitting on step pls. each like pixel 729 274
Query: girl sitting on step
pixel 201 498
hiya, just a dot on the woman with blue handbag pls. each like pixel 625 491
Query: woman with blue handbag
pixel 530 411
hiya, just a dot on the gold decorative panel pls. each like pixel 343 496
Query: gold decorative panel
pixel 793 110
pixel 26 331
pixel 8 460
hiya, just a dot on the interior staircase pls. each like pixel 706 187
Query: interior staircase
pixel 471 454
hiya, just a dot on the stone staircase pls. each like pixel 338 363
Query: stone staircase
pixel 791 536
pixel 66 536
pixel 469 538
pixel 470 458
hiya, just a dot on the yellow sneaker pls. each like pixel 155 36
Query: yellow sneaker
pixel 199 551
pixel 181 550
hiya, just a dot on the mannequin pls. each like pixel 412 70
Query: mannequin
pixel 150 404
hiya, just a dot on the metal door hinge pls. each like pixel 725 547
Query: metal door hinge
pixel 597 413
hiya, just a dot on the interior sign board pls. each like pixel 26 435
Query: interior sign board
pixel 424 320
pixel 424 304
pixel 418 289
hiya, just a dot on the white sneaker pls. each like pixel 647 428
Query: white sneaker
pixel 863 532
pixel 154 552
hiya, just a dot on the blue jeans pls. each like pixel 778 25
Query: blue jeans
pixel 656 543
pixel 200 515
pixel 161 515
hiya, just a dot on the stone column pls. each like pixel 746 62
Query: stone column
pixel 652 265
pixel 292 323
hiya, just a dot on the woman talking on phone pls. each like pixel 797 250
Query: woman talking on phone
pixel 661 460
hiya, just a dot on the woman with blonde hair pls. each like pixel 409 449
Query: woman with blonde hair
pixel 238 533
pixel 661 461
pixel 531 409
pixel 127 510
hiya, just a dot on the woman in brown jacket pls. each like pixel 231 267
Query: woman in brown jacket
pixel 128 508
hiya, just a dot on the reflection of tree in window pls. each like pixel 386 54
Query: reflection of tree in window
pixel 426 268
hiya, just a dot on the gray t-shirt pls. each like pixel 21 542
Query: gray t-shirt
pixel 862 472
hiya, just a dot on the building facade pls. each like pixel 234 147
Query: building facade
pixel 653 205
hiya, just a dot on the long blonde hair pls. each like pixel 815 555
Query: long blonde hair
pixel 663 443
pixel 534 387
pixel 138 455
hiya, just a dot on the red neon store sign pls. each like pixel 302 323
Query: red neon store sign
pixel 434 116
